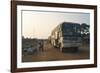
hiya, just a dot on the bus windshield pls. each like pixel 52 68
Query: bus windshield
pixel 71 29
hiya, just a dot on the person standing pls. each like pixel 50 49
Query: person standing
pixel 41 46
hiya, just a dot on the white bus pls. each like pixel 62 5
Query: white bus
pixel 66 36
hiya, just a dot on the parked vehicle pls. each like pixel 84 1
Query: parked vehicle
pixel 66 35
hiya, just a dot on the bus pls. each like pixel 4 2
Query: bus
pixel 66 35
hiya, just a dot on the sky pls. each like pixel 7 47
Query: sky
pixel 39 24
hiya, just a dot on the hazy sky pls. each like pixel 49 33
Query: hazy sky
pixel 39 24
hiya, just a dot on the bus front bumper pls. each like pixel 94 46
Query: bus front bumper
pixel 72 44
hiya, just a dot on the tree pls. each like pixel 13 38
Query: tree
pixel 85 31
pixel 84 28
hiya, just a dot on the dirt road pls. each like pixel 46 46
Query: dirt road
pixel 52 54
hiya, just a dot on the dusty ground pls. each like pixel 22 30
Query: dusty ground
pixel 53 54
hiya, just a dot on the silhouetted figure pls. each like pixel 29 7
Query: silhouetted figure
pixel 41 46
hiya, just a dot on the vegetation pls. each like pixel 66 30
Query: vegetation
pixel 85 32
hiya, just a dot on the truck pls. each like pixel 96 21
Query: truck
pixel 66 36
